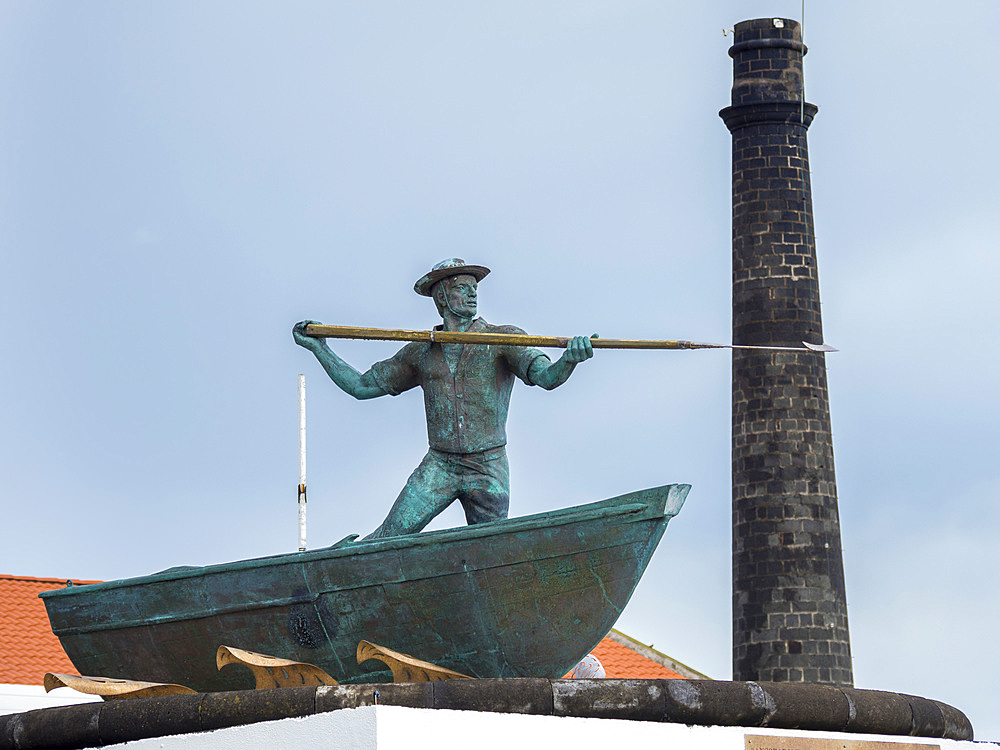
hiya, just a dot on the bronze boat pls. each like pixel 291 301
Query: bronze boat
pixel 523 597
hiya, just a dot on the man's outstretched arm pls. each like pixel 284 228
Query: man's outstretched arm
pixel 551 375
pixel 346 377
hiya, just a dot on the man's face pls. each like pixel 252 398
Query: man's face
pixel 461 294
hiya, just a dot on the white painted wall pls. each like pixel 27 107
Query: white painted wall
pixel 396 728
pixel 17 698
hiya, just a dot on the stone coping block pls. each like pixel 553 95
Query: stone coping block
pixel 780 705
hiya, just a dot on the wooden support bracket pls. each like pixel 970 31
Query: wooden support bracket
pixel 272 672
pixel 111 689
pixel 406 668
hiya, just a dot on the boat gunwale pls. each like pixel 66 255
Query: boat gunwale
pixel 287 601
pixel 622 505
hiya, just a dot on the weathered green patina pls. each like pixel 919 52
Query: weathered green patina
pixel 525 597
pixel 467 391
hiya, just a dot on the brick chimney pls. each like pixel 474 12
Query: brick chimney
pixel 789 599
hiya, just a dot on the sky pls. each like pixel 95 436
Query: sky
pixel 180 182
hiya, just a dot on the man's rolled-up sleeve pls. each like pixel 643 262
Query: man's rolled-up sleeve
pixel 398 373
pixel 520 358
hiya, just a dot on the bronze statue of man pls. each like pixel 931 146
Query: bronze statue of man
pixel 467 391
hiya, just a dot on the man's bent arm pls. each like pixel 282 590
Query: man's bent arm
pixel 551 375
pixel 344 375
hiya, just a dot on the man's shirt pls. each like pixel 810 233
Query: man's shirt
pixel 466 406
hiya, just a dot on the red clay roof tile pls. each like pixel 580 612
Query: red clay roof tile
pixel 28 648
pixel 622 662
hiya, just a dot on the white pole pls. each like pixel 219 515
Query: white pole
pixel 302 463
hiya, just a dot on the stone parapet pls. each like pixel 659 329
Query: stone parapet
pixel 697 702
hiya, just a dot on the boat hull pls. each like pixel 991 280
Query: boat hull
pixel 525 597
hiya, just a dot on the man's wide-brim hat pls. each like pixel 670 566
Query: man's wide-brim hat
pixel 444 269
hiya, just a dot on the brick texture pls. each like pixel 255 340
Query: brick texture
pixel 789 600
